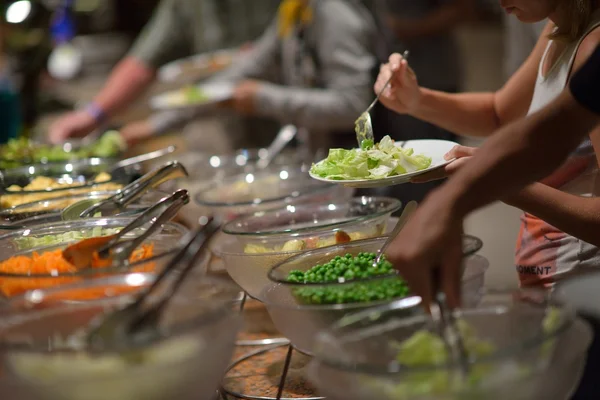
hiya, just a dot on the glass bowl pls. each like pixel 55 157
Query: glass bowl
pixel 300 317
pixel 267 189
pixel 77 177
pixel 249 266
pixel 41 238
pixel 198 331
pixel 47 211
pixel 518 349
pixel 308 226
pixel 205 168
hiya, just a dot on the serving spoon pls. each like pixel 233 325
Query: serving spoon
pixel 409 209
pixel 363 126
pixel 112 248
pixel 284 136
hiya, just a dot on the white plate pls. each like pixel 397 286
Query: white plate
pixel 436 149
pixel 215 92
pixel 198 66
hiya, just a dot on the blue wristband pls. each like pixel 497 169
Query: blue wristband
pixel 96 112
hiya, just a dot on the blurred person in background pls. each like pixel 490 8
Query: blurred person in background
pixel 177 29
pixel 558 233
pixel 311 68
pixel 426 29
pixel 10 102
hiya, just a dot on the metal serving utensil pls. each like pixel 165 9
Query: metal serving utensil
pixel 284 136
pixel 409 209
pixel 118 202
pixel 363 126
pixel 81 254
pixel 138 320
pixel 446 325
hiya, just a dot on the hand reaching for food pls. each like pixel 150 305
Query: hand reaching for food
pixel 403 93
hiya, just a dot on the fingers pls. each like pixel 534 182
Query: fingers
pixel 385 72
pixel 441 173
pixel 451 271
pixel 436 174
pixel 460 151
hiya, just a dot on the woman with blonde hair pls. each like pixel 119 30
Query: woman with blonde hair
pixel 559 229
pixel 561 221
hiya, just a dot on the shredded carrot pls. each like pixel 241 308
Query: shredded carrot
pixel 51 265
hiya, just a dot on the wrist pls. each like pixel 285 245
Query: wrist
pixel 96 113
pixel 419 109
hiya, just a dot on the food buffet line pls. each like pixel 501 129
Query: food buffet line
pixel 85 234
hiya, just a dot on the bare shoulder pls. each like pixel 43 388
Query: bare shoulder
pixel 586 48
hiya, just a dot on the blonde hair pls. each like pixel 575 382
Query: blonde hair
pixel 577 17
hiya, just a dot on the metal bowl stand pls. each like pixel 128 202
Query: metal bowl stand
pixel 224 393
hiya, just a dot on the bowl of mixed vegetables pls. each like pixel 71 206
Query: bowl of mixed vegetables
pixel 23 152
pixel 309 291
pixel 310 226
pixel 31 258
pixel 517 349
pixel 45 181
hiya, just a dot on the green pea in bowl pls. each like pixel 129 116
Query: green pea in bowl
pixel 309 291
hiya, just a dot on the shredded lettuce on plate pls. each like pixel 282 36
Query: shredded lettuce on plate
pixel 382 160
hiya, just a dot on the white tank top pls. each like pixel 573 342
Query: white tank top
pixel 543 250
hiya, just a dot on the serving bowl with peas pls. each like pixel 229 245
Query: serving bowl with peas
pixel 310 291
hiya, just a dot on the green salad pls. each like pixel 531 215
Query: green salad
pixel 371 161
pixel 426 349
pixel 194 94
pixel 345 269
pixel 22 151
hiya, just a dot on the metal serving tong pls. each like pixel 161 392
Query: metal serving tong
pixel 445 322
pixel 284 136
pixel 112 247
pixel 139 320
pixel 118 202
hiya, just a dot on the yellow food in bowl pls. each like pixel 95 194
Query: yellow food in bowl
pixel 310 243
pixel 43 183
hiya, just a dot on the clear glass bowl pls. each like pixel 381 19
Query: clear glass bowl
pixel 41 238
pixel 313 225
pixel 299 321
pixel 249 266
pixel 79 173
pixel 526 356
pixel 47 211
pixel 268 189
pixel 198 332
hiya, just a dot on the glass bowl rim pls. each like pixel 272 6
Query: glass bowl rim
pixel 536 340
pixel 77 163
pixel 319 188
pixel 354 243
pixel 91 271
pixel 391 206
pixel 14 226
pixel 216 312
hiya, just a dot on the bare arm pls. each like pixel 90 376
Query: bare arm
pixel 441 20
pixel 469 114
pixel 127 81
